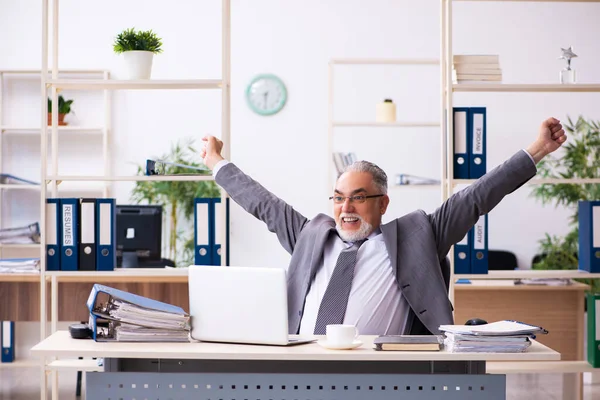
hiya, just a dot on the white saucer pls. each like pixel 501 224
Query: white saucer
pixel 353 345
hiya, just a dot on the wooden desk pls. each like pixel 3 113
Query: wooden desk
pixel 308 371
pixel 559 309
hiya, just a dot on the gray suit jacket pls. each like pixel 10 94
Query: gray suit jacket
pixel 417 243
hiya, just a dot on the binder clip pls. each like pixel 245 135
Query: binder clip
pixel 157 167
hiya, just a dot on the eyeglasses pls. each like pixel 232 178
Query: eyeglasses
pixel 357 198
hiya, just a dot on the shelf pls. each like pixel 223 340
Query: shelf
pixel 387 124
pixel 528 273
pixel 504 87
pixel 86 365
pixel 538 367
pixel 384 61
pixel 21 364
pixel 60 71
pixel 7 130
pixel 4 277
pixel 134 84
pixel 427 185
pixel 540 181
pixel 19 186
pixel 135 178
pixel 160 275
pixel 19 245
pixel 531 1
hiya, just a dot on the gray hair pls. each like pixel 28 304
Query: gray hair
pixel 379 175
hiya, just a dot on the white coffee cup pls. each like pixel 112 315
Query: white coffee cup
pixel 341 335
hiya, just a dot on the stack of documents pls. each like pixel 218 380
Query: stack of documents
pixel 20 266
pixel 21 235
pixel 7 179
pixel 496 337
pixel 545 281
pixel 127 317
pixel 476 68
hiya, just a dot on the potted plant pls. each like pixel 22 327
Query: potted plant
pixel 64 108
pixel 138 48
pixel 580 159
pixel 177 199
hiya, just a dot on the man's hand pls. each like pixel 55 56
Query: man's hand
pixel 211 151
pixel 551 137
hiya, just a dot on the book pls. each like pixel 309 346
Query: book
pixel 408 343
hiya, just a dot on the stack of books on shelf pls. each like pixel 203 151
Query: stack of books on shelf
pixel 21 235
pixel 476 68
pixel 496 337
pixel 342 160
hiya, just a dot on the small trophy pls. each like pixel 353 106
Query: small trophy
pixel 567 75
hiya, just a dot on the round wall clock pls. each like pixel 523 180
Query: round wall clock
pixel 266 94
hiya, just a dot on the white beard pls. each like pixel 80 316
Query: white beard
pixel 352 236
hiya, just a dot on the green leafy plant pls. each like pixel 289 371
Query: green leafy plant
pixel 580 159
pixel 130 39
pixel 64 106
pixel 177 198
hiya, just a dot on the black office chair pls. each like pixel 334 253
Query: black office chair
pixel 502 260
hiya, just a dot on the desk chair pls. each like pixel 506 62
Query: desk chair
pixel 502 260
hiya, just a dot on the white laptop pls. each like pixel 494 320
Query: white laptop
pixel 240 305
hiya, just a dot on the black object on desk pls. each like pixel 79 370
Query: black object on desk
pixel 476 321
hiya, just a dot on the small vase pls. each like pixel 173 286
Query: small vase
pixel 61 119
pixel 138 63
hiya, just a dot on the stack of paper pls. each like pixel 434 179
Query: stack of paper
pixel 140 324
pixel 476 68
pixel 496 337
pixel 21 235
pixel 20 266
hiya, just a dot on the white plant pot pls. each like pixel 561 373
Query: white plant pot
pixel 138 64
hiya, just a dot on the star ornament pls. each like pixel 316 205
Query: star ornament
pixel 567 54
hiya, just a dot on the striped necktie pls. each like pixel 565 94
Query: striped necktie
pixel 335 300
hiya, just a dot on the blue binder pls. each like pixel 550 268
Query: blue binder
pixel 478 142
pixel 589 236
pixel 462 142
pixel 102 296
pixel 53 234
pixel 106 234
pixel 69 238
pixel 204 234
pixel 479 247
pixel 7 339
pixel 220 225
pixel 462 255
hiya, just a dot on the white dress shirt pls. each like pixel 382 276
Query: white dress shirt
pixel 376 305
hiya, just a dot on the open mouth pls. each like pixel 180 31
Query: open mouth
pixel 350 221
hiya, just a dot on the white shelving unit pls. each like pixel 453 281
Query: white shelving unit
pixel 7 132
pixel 332 123
pixel 448 89
pixel 50 86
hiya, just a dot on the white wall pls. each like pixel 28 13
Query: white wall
pixel 295 40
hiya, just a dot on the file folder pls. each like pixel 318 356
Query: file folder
pixel 102 298
pixel 53 233
pixel 69 255
pixel 589 236
pixel 479 252
pixel 593 329
pixel 221 226
pixel 87 234
pixel 462 141
pixel 7 336
pixel 478 157
pixel 203 231
pixel 106 235
pixel 462 255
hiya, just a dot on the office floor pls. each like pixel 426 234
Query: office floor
pixel 23 384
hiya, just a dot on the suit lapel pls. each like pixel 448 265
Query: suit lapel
pixel 390 237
